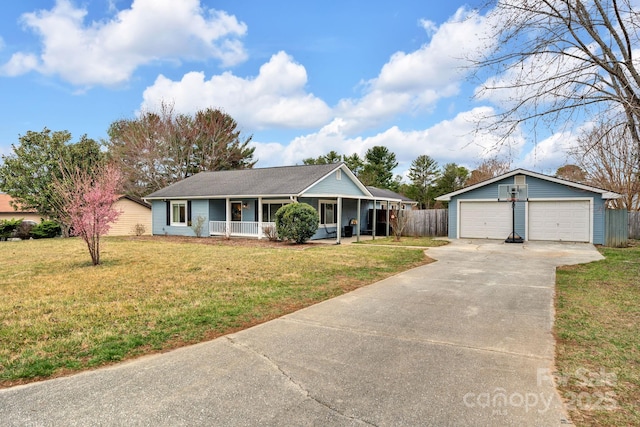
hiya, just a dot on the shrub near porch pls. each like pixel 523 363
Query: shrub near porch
pixel 59 315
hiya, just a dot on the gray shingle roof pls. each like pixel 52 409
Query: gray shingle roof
pixel 278 181
pixel 606 194
pixel 388 194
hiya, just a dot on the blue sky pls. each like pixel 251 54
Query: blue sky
pixel 302 77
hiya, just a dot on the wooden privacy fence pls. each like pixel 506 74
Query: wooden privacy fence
pixel 616 228
pixel 634 225
pixel 430 222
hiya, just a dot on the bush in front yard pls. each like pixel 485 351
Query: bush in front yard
pixel 297 222
pixel 7 227
pixel 45 230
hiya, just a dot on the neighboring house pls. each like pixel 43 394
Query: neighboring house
pixel 548 208
pixel 244 202
pixel 8 212
pixel 135 212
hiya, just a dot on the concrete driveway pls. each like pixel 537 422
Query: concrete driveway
pixel 463 341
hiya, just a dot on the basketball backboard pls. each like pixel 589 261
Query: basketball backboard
pixel 512 192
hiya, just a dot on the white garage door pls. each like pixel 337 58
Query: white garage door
pixel 562 220
pixel 485 220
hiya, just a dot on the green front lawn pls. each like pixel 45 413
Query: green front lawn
pixel 598 339
pixel 59 314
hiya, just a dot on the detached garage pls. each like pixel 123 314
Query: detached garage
pixel 536 206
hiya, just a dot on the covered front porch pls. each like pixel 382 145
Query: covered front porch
pixel 340 217
pixel 239 228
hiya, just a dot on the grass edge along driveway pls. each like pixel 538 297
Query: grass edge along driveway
pixel 598 338
pixel 59 314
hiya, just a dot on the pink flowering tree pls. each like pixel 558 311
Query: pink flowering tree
pixel 86 198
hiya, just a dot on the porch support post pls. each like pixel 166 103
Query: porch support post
pixel 339 221
pixel 358 218
pixel 227 231
pixel 388 218
pixel 374 219
pixel 260 234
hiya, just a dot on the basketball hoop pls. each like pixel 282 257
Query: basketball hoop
pixel 513 193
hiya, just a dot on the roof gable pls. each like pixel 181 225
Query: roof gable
pixel 605 193
pixel 135 200
pixel 340 181
pixel 281 181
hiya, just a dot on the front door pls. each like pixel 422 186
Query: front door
pixel 236 211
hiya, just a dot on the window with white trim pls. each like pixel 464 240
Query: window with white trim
pixel 269 211
pixel 328 213
pixel 178 212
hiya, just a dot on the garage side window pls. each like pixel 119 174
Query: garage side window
pixel 328 213
pixel 179 212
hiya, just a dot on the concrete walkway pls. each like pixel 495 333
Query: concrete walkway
pixel 462 341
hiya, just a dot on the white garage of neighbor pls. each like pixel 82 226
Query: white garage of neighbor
pixel 546 208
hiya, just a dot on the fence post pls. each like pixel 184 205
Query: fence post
pixel 634 225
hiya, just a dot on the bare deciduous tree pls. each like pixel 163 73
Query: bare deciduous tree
pixel 609 160
pixel 488 169
pixel 160 148
pixel 398 221
pixel 559 61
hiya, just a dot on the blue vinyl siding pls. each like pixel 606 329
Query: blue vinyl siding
pixel 330 185
pixel 200 208
pixel 537 189
pixel 453 218
pixel 159 218
pixel 217 210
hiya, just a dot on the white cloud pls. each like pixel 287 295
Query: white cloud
pixel 452 140
pixel 107 53
pixel 19 63
pixel 415 81
pixel 551 153
pixel 275 98
pixel 409 82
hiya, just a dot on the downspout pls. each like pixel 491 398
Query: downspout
pixel 358 219
pixel 374 219
pixel 260 219
pixel 388 214
pixel 339 221
pixel 227 231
